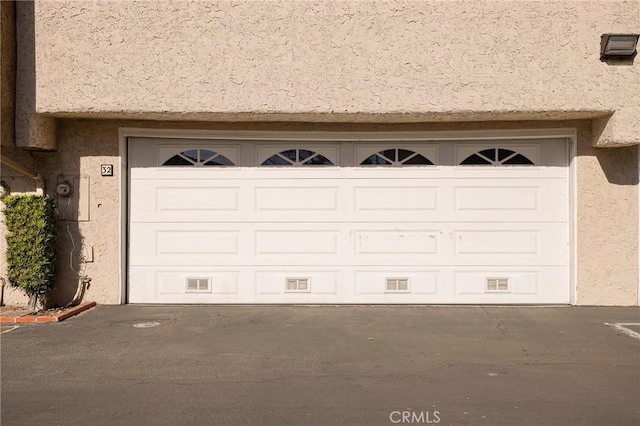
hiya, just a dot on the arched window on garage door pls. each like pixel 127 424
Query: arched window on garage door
pixel 198 158
pixel 496 157
pixel 297 158
pixel 397 157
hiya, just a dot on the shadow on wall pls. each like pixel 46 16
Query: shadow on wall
pixel 25 71
pixel 18 184
pixel 71 264
pixel 620 165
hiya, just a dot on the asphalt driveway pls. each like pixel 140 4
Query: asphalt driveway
pixel 253 365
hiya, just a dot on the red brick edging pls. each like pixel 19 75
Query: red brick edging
pixel 45 319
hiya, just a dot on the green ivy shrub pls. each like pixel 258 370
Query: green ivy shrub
pixel 31 243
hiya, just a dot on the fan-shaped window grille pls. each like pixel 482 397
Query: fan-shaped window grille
pixel 198 158
pixel 496 157
pixel 297 157
pixel 397 157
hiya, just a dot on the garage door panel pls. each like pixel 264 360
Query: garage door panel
pixel 197 242
pixel 151 152
pixel 185 201
pixel 345 233
pixel 380 243
pixel 511 243
pixel 509 200
pixel 280 202
pixel 396 242
pixel 141 285
pixel 185 173
pixel 309 281
pixel 286 199
pixel 530 151
pixel 169 285
pixel 523 285
pixel 296 242
pixel 375 199
pixel 497 198
pixel 188 199
pixel 203 151
pixel 393 151
pixel 368 282
pixel 522 173
pixel 175 282
pixel 299 298
pixel 515 281
pixel 497 242
pixel 265 151
pixel 186 243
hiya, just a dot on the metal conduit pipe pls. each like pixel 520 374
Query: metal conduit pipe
pixel 3 283
pixel 25 171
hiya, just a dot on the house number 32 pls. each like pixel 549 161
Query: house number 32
pixel 106 169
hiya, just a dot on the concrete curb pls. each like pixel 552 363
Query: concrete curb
pixel 30 319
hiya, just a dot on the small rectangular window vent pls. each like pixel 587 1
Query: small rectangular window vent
pixel 300 285
pixel 198 285
pixel 398 285
pixel 497 284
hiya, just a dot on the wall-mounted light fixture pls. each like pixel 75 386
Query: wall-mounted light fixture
pixel 618 46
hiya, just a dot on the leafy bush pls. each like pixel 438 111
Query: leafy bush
pixel 31 243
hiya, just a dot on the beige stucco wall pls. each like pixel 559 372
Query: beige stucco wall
pixel 328 65
pixel 607 223
pixel 607 201
pixel 7 71
pixel 32 130
pixel 318 60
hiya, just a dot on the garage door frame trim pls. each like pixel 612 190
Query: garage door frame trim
pixel 399 136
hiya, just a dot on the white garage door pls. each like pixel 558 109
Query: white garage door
pixel 348 222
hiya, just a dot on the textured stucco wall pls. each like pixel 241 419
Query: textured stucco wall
pixel 82 149
pixel 607 223
pixel 607 201
pixel 420 60
pixel 32 130
pixel 7 72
